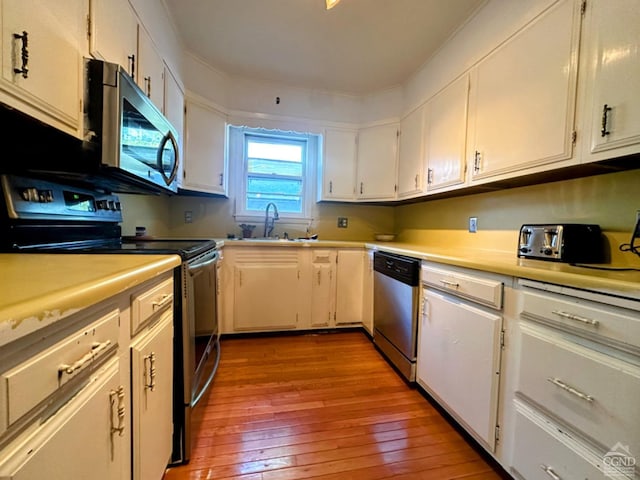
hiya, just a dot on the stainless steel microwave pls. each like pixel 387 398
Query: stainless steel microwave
pixel 125 132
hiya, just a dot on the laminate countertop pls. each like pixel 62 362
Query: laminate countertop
pixel 41 289
pixel 611 282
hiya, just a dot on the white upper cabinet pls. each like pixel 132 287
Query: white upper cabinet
pixel 446 136
pixel 150 75
pixel 377 160
pixel 205 159
pixel 42 65
pixel 612 63
pixel 114 33
pixel 411 157
pixel 338 172
pixel 522 98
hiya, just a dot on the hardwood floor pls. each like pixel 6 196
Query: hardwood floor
pixel 323 406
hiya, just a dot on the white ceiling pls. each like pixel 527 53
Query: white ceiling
pixel 358 47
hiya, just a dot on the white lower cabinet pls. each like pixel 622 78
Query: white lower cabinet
pixel 349 286
pixel 459 346
pixel 266 289
pixel 79 441
pixel 151 399
pixel 459 361
pixel 323 288
pixel 578 381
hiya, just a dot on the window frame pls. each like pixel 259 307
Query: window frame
pixel 238 139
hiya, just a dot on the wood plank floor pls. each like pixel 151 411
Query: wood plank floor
pixel 323 406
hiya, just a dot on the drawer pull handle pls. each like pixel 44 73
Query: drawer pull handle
pixel 116 398
pixel 447 283
pixel 577 318
pixel 163 302
pixel 150 374
pixel 96 349
pixel 549 471
pixel 559 383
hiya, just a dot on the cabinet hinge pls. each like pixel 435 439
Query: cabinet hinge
pixel 184 174
pixel 296 318
pixel 497 433
pixel 334 316
pixel 583 7
pixel 298 274
pixel 501 338
pixel 88 26
pixel 574 137
pixel 398 133
pixel 395 188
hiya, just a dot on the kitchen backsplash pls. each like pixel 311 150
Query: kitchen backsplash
pixel 610 200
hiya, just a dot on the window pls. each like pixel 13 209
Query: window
pixel 275 173
pixel 273 167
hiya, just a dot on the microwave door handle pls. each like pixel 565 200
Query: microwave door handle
pixel 169 137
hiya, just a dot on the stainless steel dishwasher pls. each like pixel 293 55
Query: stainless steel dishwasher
pixel 395 310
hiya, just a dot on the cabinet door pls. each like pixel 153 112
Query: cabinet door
pixel 266 296
pixel 78 441
pixel 150 76
pixel 411 158
pixel 377 159
pixel 613 60
pixel 459 361
pixel 338 174
pixel 322 294
pixel 447 135
pixel 41 40
pixel 349 286
pixel 205 159
pixel 522 97
pixel 152 399
pixel 114 33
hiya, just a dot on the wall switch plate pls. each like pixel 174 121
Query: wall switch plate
pixel 343 222
pixel 188 216
pixel 473 224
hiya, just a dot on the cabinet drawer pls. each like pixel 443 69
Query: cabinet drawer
pixel 586 317
pixel 542 450
pixel 27 384
pixel 481 290
pixel 146 304
pixel 594 393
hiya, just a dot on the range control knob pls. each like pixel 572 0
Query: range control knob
pixel 525 249
pixel 548 251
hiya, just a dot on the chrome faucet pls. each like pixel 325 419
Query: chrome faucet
pixel 268 226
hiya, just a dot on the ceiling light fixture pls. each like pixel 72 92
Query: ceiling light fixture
pixel 331 3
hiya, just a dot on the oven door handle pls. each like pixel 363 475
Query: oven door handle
pixel 198 267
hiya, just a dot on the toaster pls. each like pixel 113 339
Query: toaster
pixel 566 242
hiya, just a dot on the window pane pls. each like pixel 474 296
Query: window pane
pixel 285 193
pixel 274 151
pixel 275 167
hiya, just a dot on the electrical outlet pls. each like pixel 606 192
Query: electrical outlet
pixel 188 216
pixel 343 222
pixel 473 224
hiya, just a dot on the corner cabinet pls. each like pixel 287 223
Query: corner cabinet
pixel 338 167
pixel 42 64
pixel 612 64
pixel 205 153
pixel 377 162
pixel 411 154
pixel 522 98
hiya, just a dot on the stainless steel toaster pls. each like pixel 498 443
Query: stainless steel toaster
pixel 566 242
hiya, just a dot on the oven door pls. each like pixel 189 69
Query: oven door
pixel 203 333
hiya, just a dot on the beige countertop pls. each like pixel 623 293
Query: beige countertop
pixel 626 283
pixel 41 289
